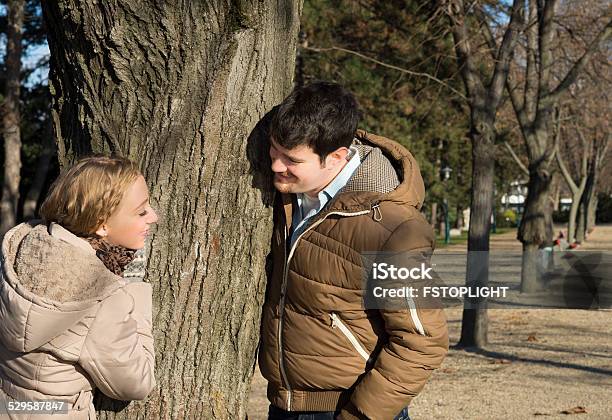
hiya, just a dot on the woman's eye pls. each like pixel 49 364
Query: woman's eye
pixel 144 213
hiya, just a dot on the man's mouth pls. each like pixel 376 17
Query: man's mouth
pixel 282 178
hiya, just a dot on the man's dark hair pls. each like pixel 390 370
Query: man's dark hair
pixel 322 115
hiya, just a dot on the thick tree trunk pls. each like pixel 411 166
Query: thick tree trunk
pixel 11 118
pixel 179 87
pixel 535 230
pixel 475 321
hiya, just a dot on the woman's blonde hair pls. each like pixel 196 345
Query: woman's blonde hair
pixel 85 195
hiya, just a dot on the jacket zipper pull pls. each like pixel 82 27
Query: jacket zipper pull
pixel 377 212
pixel 334 320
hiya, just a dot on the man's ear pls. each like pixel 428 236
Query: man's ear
pixel 338 156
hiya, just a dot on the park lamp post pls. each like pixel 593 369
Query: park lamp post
pixel 445 176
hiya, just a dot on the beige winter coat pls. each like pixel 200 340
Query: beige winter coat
pixel 68 325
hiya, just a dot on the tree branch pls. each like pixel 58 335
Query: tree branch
pixel 520 164
pixel 573 73
pixel 390 66
pixel 504 54
pixel 471 77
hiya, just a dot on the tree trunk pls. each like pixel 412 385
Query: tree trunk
pixel 536 224
pixel 581 224
pixel 475 321
pixel 11 118
pixel 459 222
pixel 592 212
pixel 571 222
pixel 179 87
pixel 590 192
pixel 434 215
pixel 44 161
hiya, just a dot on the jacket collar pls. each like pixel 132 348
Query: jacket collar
pixel 409 192
pixel 60 232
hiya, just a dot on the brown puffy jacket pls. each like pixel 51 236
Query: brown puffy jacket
pixel 320 349
pixel 68 325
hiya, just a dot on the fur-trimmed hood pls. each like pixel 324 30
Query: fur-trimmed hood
pixel 49 280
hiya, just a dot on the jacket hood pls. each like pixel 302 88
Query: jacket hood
pixel 49 280
pixel 388 172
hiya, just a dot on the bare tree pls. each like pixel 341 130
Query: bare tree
pixel 484 95
pixel 576 186
pixel 180 87
pixel 11 118
pixel 534 104
pixel 588 203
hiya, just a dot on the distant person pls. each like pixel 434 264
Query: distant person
pixel 69 321
pixel 342 192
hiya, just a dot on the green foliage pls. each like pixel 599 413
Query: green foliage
pixel 425 116
pixel 506 218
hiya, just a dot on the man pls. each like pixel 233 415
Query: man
pixel 342 192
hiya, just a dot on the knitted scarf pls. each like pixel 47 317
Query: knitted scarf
pixel 114 257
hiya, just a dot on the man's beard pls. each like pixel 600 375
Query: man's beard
pixel 284 188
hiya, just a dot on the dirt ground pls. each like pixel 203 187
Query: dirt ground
pixel 539 363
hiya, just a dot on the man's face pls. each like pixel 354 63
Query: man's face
pixel 299 170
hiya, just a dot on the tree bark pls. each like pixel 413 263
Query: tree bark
pixel 181 88
pixel 11 118
pixel 592 212
pixel 581 223
pixel 474 328
pixel 535 227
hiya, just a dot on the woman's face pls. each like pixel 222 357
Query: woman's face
pixel 129 225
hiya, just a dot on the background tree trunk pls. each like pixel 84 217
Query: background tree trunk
pixel 484 97
pixel 44 161
pixel 535 111
pixel 179 87
pixel 11 118
pixel 581 223
pixel 535 227
pixel 475 321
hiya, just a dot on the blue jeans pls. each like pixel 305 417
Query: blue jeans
pixel 276 413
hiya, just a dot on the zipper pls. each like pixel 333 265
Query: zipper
pixel 415 315
pixel 377 212
pixel 284 293
pixel 337 323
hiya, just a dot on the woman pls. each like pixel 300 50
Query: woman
pixel 69 321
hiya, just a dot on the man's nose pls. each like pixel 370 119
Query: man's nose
pixel 278 166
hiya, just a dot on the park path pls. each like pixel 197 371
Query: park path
pixel 552 363
pixel 599 239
